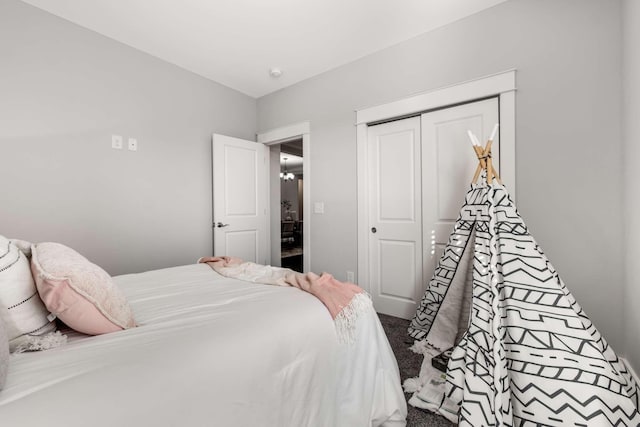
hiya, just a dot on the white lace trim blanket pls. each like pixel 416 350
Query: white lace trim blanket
pixel 345 301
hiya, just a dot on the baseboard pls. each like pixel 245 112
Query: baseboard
pixel 630 368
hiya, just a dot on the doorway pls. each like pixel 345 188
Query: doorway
pixel 274 139
pixel 292 205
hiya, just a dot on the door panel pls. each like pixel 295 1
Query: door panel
pixel 395 247
pixel 243 244
pixel 240 199
pixel 397 283
pixel 240 176
pixel 449 163
pixel 396 172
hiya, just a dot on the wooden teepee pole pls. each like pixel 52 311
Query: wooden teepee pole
pixel 484 158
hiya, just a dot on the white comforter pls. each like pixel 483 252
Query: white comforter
pixel 210 351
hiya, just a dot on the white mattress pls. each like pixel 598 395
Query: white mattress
pixel 210 351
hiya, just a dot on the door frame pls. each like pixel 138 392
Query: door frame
pixel 285 134
pixel 501 84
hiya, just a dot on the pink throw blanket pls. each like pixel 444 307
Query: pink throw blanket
pixel 335 295
pixel 344 300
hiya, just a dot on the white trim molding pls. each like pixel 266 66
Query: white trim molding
pixel 284 133
pixel 362 274
pixel 463 92
pixel 502 85
pixel 288 133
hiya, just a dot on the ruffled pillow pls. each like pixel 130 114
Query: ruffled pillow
pixel 79 292
pixel 26 319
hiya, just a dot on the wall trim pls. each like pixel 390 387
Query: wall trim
pixel 462 92
pixel 284 133
pixel 501 84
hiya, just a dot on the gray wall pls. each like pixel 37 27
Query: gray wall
pixel 631 152
pixel 567 55
pixel 63 91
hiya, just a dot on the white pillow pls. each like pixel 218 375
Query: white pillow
pixel 21 309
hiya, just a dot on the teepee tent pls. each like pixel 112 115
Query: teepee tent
pixel 523 351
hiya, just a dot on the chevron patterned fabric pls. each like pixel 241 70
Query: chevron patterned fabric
pixel 530 356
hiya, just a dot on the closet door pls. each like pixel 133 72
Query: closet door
pixel 395 219
pixel 448 165
pixel 419 170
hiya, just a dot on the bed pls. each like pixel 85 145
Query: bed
pixel 210 351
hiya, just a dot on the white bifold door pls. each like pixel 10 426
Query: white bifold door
pixel 240 196
pixel 419 169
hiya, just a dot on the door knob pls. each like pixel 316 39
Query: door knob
pixel 374 230
pixel 220 225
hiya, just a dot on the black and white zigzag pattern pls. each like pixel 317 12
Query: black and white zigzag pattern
pixel 530 355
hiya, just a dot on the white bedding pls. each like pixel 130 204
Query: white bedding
pixel 210 351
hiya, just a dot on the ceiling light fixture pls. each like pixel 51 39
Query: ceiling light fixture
pixel 275 72
pixel 286 175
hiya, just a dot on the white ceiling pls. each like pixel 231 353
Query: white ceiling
pixel 236 42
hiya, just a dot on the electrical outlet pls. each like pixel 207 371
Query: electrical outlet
pixel 133 144
pixel 351 277
pixel 116 142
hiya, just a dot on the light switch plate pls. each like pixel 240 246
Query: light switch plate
pixel 318 207
pixel 133 144
pixel 116 142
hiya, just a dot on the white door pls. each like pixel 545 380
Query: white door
pixel 419 170
pixel 448 164
pixel 240 193
pixel 395 220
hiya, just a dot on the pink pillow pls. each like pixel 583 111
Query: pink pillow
pixel 80 293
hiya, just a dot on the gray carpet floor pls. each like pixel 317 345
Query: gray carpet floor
pixel 409 365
